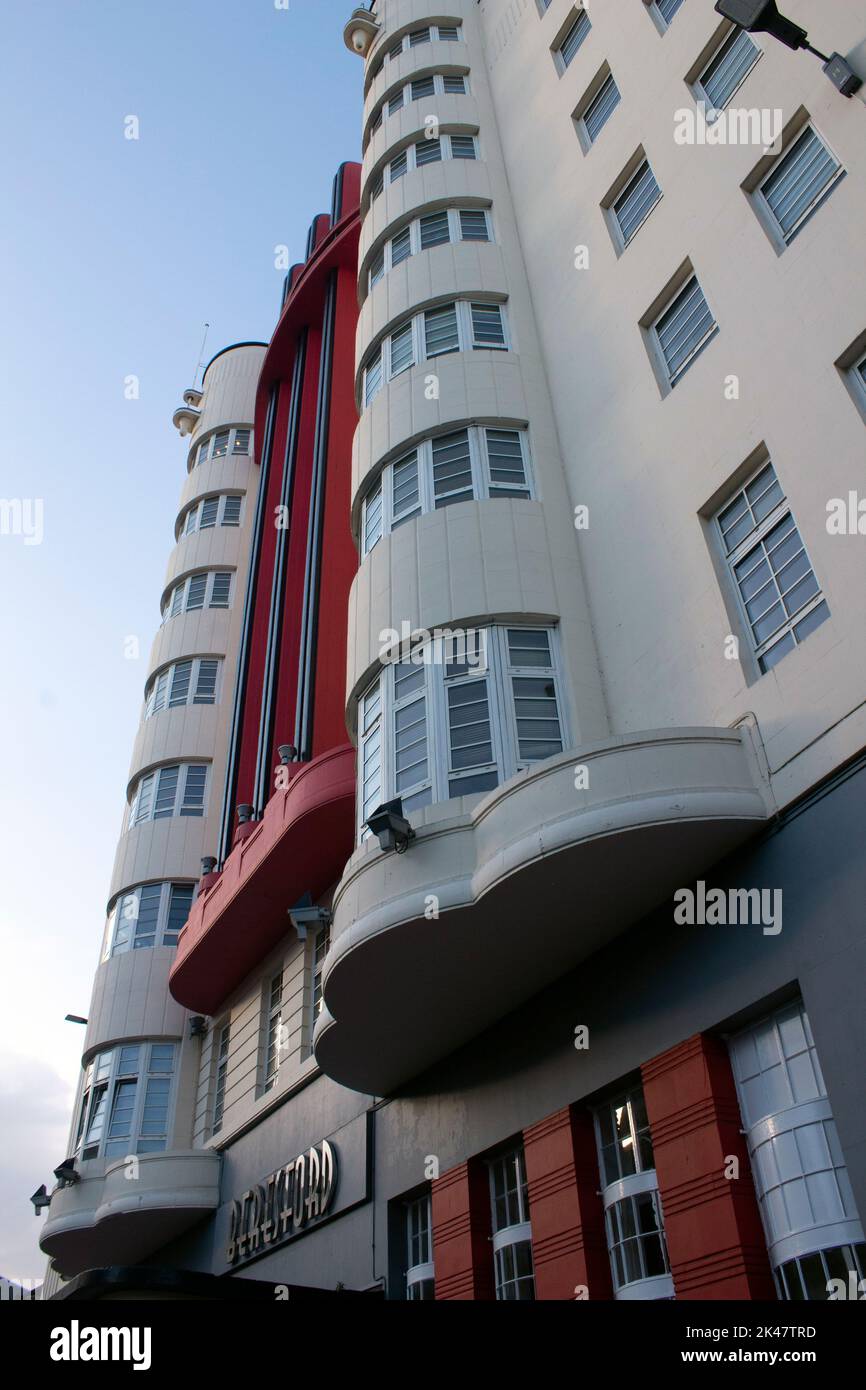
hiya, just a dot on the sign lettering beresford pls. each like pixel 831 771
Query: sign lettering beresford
pixel 296 1196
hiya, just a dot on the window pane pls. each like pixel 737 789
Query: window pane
pixel 727 68
pixel 600 108
pixel 440 330
pixel 473 226
pixel 427 152
pixel 575 37
pixel 166 792
pixel 488 329
pixel 452 469
pixel 683 327
pixel 636 201
pixel 798 180
pixel 434 230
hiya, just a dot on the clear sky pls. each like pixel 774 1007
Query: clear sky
pixel 114 254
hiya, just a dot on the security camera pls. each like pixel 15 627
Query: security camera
pixel 391 827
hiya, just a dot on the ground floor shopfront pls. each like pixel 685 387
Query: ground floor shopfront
pixel 682 1117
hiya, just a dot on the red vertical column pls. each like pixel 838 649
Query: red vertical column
pixel 462 1250
pixel 569 1249
pixel 713 1227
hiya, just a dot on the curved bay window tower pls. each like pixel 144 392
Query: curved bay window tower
pixel 133 1178
pixel 497 741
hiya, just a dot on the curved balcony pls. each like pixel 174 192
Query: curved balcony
pixel 534 879
pixel 106 1219
pixel 300 845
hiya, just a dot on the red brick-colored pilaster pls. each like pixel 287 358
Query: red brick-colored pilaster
pixel 462 1249
pixel 713 1228
pixel 569 1249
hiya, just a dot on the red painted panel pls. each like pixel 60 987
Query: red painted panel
pixel 462 1253
pixel 713 1227
pixel 569 1249
pixel 300 845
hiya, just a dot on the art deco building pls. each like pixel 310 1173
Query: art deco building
pixel 533 961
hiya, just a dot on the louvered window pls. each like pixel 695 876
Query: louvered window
pixel 728 67
pixel 574 38
pixel 602 106
pixel 684 328
pixel 636 201
pixel 799 180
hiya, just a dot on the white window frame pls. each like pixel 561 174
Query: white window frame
pixel 383 112
pixel 410 151
pixel 178 596
pixel 158 695
pixel 203 449
pixel 628 1186
pixel 578 16
pixel 104 1077
pixel 221 1043
pixel 433 31
pixel 418 1273
pixel 659 19
pixel 378 504
pixel 320 944
pixel 455 234
pixel 377 773
pixel 752 543
pixel 781 238
pixel 730 38
pixel 378 368
pixel 623 185
pixel 517 1232
pixel 665 373
pixel 150 782
pixel 274 1030
pixel 190 521
pixel 587 139
pixel 125 911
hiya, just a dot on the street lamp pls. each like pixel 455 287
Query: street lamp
pixel 762 16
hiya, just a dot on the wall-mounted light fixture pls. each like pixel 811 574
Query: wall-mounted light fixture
pixel 762 17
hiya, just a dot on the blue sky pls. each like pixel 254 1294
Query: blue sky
pixel 114 254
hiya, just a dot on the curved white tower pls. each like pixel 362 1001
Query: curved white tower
pixel 516 784
pixel 134 1179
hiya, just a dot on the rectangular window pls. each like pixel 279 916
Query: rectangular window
pixel 454 84
pixel 372 529
pixel 377 268
pixel 398 166
pixel 126 1110
pixel 667 8
pixel 179 904
pixel 635 1239
pixel 536 711
pixel 512 1234
pixel 205 686
pixel 242 442
pixel 321 947
pixel 274 1032
pixel 166 792
pixel 402 350
pixel 602 106
pixel 220 589
pixel 401 246
pixel 624 1138
pixel 419 36
pixel 180 679
pixel 798 182
pixel 147 911
pixel 208 514
pixel 373 377
pixel 778 593
pixel 222 1066
pixel 195 594
pixel 452 469
pixel 231 510
pixel 684 329
pixel 473 226
pixel 419 1250
pixel 574 38
pixel 434 230
pixel 405 492
pixel 371 752
pixel 395 103
pixel 194 787
pixel 220 444
pixel 728 68
pixel 423 87
pixel 203 450
pixel 427 152
pixel 488 330
pixel 506 464
pixel 636 201
pixel 440 331
pixel 463 147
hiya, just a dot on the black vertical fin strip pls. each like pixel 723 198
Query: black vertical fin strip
pixel 312 574
pixel 275 614
pixel 241 676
